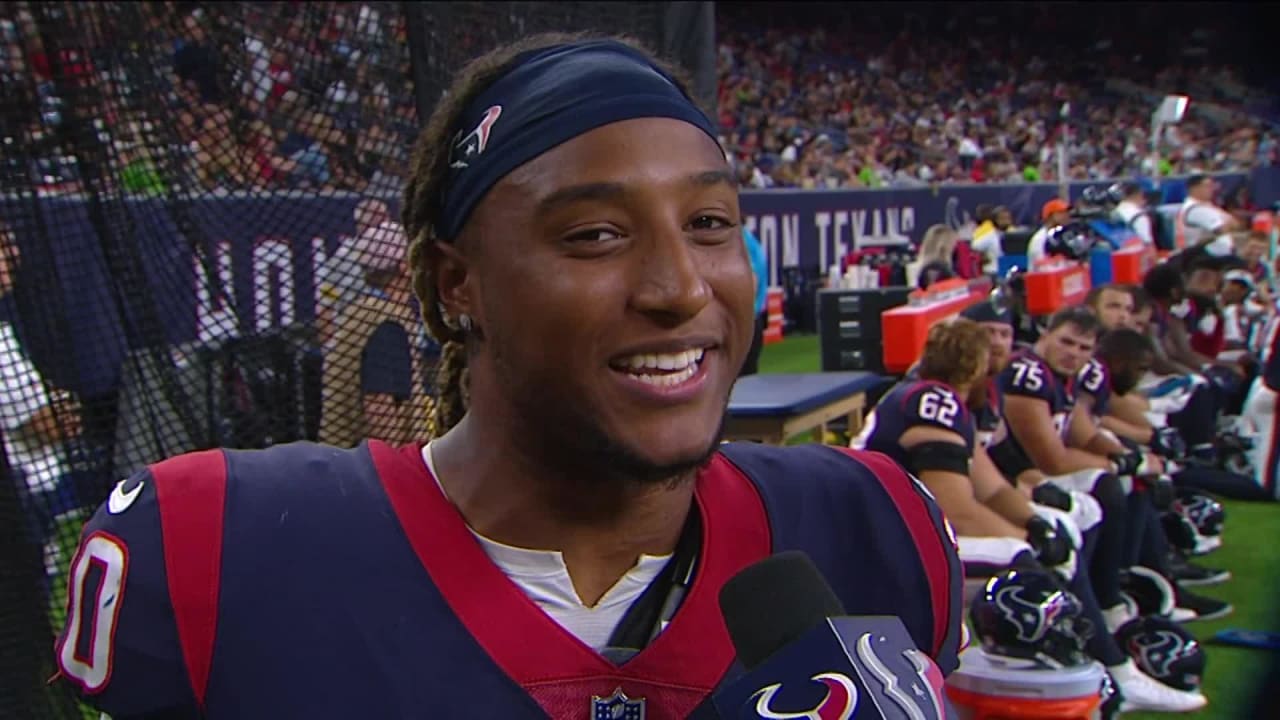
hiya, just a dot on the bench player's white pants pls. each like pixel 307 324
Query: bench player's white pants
pixel 1259 418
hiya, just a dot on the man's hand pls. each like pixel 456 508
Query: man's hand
pixel 1061 520
pixel 1150 465
pixel 1168 443
pixel 1128 462
pixel 1052 544
pixel 1051 495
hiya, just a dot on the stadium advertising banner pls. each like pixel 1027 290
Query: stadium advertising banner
pixel 812 229
pixel 248 278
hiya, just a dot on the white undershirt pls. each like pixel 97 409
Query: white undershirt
pixel 544 577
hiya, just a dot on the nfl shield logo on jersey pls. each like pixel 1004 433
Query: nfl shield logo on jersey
pixel 617 707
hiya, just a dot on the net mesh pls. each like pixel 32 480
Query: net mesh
pixel 194 250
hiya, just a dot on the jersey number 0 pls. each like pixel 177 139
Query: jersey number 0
pixel 85 652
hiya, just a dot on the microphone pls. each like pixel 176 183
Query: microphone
pixel 806 660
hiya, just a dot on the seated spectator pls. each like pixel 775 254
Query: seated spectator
pixel 987 238
pixel 375 374
pixel 36 422
pixel 935 262
pixel 1003 219
pixel 340 278
pixel 1054 214
pixel 933 110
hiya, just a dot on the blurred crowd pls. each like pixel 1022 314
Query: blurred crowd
pixel 244 95
pixel 318 96
pixel 852 104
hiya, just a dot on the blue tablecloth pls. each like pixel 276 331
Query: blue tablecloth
pixel 773 395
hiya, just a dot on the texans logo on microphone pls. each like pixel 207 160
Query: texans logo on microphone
pixel 900 682
pixel 840 702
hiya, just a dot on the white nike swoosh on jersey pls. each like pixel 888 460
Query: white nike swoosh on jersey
pixel 119 501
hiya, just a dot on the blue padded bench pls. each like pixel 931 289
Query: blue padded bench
pixel 771 408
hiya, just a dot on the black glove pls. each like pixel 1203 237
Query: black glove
pixel 1127 463
pixel 1052 496
pixel 1162 492
pixel 1168 443
pixel 1052 543
pixel 1129 444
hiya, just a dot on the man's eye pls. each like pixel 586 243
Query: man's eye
pixel 593 235
pixel 710 222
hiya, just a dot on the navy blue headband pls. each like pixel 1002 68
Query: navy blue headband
pixel 550 97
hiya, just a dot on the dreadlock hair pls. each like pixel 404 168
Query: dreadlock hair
pixel 424 200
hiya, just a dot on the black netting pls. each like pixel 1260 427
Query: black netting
pixel 194 246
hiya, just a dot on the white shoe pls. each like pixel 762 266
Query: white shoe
pixel 1206 544
pixel 1117 615
pixel 1181 615
pixel 1142 692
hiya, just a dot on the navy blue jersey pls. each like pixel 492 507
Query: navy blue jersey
pixel 307 581
pixel 914 403
pixel 1028 375
pixel 988 418
pixel 1094 380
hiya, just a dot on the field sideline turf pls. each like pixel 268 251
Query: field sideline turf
pixel 1250 550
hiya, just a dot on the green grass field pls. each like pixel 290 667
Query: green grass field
pixel 1250 550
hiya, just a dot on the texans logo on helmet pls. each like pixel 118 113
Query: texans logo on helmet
pixel 1031 619
pixel 1160 650
pixel 1199 509
pixel 840 702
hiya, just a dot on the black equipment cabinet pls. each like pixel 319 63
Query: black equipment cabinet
pixel 849 326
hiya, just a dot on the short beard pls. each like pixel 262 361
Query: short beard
pixel 597 450
pixel 573 443
pixel 977 399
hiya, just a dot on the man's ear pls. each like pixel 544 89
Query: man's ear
pixel 452 279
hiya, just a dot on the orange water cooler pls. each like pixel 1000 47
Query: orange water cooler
pixel 1052 287
pixel 1130 263
pixel 904 329
pixel 984 689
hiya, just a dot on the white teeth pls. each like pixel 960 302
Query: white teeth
pixel 667 361
pixel 669 379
